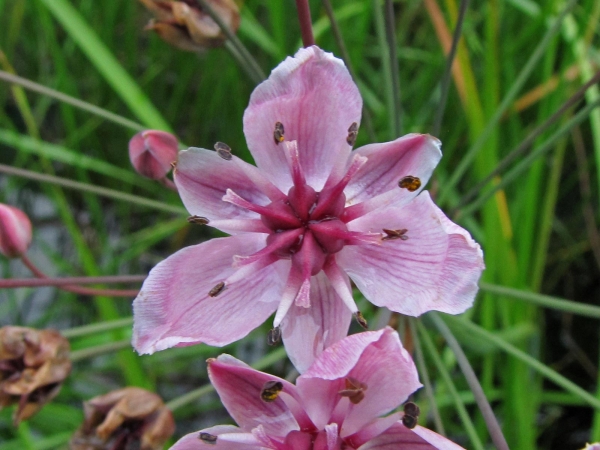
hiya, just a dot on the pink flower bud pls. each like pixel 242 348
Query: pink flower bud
pixel 15 231
pixel 151 153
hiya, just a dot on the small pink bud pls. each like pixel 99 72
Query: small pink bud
pixel 15 231
pixel 151 153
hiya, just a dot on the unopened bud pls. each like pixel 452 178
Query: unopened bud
pixel 126 418
pixel 186 26
pixel 15 231
pixel 33 365
pixel 151 153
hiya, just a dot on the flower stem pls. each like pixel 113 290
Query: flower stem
pixel 390 35
pixel 97 350
pixel 437 123
pixel 96 327
pixel 306 30
pixel 40 89
pixel 71 287
pixel 486 410
pixel 258 74
pixel 98 190
pixel 62 281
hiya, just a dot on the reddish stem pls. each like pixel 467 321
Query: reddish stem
pixel 78 289
pixel 40 282
pixel 306 30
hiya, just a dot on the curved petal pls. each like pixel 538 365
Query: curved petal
pixel 173 307
pixel 239 386
pixel 377 360
pixel 307 331
pixel 419 438
pixel 387 163
pixel 314 97
pixel 192 441
pixel 436 267
pixel 202 178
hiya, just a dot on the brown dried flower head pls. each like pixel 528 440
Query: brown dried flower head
pixel 33 365
pixel 186 26
pixel 124 419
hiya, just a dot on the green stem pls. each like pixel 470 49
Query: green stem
pixel 97 350
pixel 102 191
pixel 543 300
pixel 479 333
pixel 97 327
pixel 85 106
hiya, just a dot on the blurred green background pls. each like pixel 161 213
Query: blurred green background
pixel 537 218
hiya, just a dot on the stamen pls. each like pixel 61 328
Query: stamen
pixel 220 287
pixel 361 320
pixel 223 150
pixel 274 336
pixel 264 185
pixel 352 132
pixel 276 243
pixel 340 283
pixel 276 214
pixel 271 390
pixel 410 182
pixel 198 220
pixel 232 226
pixel 382 200
pixel 411 415
pixel 173 165
pixel 329 195
pixel 278 134
pixel 336 230
pixel 291 151
pixel 354 390
pixel 250 269
pixel 208 438
pixel 290 292
pixel 395 234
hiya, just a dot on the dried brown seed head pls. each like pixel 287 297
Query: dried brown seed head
pixel 33 365
pixel 126 418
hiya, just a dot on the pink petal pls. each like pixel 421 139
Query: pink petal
pixel 203 177
pixel 307 331
pixel 314 97
pixel 239 386
pixel 192 441
pixel 419 438
pixel 174 308
pixel 387 163
pixel 375 358
pixel 436 268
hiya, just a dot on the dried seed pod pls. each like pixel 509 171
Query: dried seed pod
pixel 33 365
pixel 279 133
pixel 271 390
pixel 410 182
pixel 126 418
pixel 184 24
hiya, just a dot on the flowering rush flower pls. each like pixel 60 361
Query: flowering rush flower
pixel 308 217
pixel 338 403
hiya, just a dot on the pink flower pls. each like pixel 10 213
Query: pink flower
pixel 15 231
pixel 309 217
pixel 151 153
pixel 339 403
